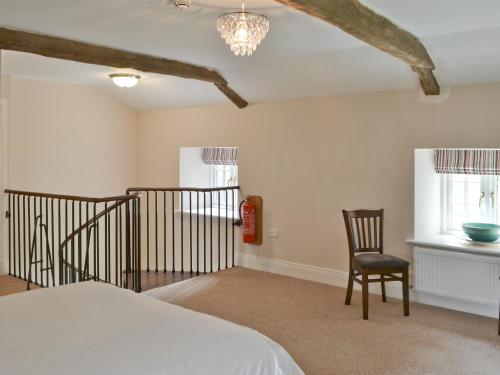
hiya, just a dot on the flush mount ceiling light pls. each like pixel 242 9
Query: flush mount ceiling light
pixel 125 80
pixel 181 4
pixel 243 31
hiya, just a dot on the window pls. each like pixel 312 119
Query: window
pixel 468 197
pixel 223 176
pixel 210 168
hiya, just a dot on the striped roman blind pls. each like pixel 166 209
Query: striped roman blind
pixel 220 155
pixel 467 161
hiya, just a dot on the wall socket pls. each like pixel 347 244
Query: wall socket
pixel 273 232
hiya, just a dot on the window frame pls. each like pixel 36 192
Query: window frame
pixel 489 184
pixel 233 176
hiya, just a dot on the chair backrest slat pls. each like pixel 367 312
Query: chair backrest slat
pixel 370 229
pixel 364 230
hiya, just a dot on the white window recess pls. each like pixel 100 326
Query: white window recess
pixel 448 270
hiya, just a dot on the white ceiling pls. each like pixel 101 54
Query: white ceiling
pixel 301 56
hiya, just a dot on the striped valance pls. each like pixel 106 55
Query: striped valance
pixel 467 161
pixel 220 155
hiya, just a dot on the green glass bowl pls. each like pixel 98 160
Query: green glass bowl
pixel 482 232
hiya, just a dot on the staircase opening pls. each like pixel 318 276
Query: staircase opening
pixel 147 238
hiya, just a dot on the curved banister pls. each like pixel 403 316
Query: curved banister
pixel 80 229
pixel 27 249
pixel 85 249
pixel 121 200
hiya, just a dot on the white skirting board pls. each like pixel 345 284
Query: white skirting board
pixel 319 274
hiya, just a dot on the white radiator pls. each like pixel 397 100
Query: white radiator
pixel 464 282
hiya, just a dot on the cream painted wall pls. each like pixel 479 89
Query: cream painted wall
pixel 70 139
pixel 311 158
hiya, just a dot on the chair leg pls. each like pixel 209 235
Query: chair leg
pixel 349 287
pixel 406 293
pixel 382 282
pixel 365 296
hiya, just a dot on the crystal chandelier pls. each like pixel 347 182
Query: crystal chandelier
pixel 242 31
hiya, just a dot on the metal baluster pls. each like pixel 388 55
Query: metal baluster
pixel 66 247
pixel 173 232
pixel 59 255
pixel 120 270
pixel 29 232
pixel 218 228
pixel 32 241
pixel 72 274
pixel 108 237
pixel 164 231
pixel 24 236
pixel 96 244
pixel 138 289
pixel 147 229
pixel 232 226
pixel 14 234
pixel 106 249
pixel 182 232
pixel 88 234
pixel 131 264
pixel 156 231
pixel 54 250
pixel 47 247
pixel 80 268
pixel 211 232
pixel 204 232
pixel 128 236
pixel 9 198
pixel 190 234
pixel 19 237
pixel 116 245
pixel 41 246
pixel 226 221
pixel 197 233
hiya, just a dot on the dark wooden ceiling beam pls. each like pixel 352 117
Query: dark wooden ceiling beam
pixel 428 81
pixel 66 49
pixel 232 95
pixel 363 23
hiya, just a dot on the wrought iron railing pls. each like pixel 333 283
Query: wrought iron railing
pixel 188 229
pixel 59 239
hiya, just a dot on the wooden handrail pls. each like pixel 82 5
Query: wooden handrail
pixel 200 190
pixel 120 201
pixel 67 197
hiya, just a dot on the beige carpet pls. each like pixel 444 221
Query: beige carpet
pixel 324 336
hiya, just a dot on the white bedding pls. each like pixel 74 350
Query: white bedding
pixel 93 328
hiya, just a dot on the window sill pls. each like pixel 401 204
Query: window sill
pixel 207 212
pixel 458 243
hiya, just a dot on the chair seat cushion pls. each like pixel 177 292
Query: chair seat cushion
pixel 376 261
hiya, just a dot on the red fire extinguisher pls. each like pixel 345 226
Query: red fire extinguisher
pixel 248 218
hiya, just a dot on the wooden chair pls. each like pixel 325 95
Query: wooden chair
pixel 365 237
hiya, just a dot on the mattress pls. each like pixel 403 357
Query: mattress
pixel 94 328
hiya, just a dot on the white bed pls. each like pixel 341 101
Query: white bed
pixel 94 328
